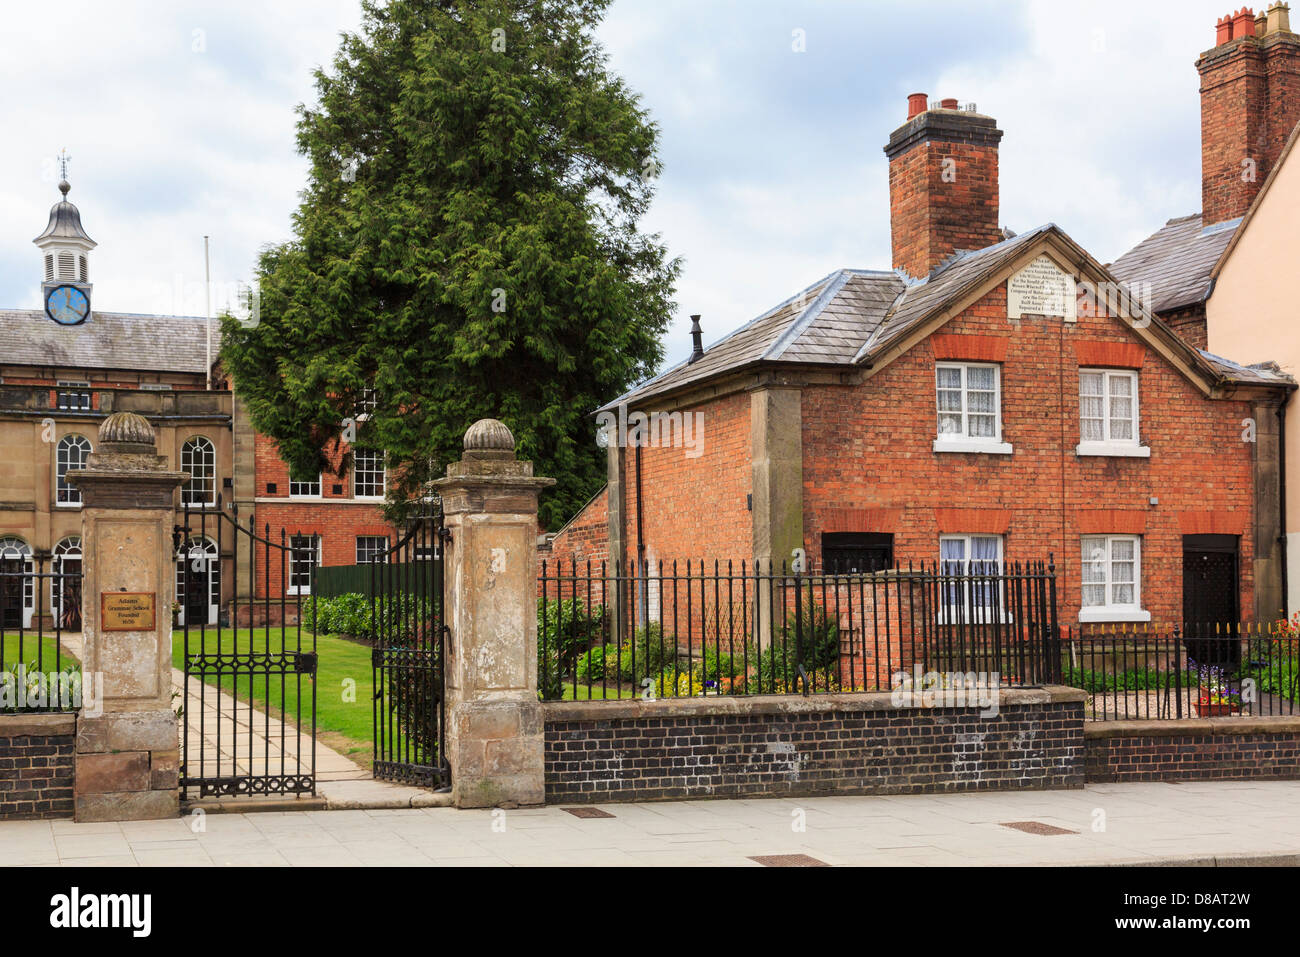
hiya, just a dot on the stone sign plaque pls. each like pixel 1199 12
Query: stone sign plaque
pixel 127 610
pixel 1042 289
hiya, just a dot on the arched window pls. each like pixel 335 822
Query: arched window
pixel 65 589
pixel 199 460
pixel 71 454
pixel 17 584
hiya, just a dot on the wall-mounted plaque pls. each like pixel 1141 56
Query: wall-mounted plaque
pixel 127 611
pixel 1043 289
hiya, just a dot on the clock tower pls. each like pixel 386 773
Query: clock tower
pixel 65 255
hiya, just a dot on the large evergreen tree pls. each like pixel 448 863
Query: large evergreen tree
pixel 467 246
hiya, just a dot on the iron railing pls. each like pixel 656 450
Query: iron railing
pixel 409 655
pixel 40 615
pixel 685 629
pixel 248 694
pixel 1147 672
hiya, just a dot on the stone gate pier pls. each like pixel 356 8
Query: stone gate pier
pixel 127 758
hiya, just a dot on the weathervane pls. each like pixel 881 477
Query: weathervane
pixel 63 163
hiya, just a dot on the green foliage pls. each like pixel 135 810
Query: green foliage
pixel 1275 666
pixel 809 638
pixel 593 665
pixel 400 618
pixel 565 631
pixel 467 245
pixel 344 615
pixel 24 687
pixel 1133 679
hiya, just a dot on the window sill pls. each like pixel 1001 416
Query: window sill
pixel 1113 450
pixel 972 445
pixel 297 592
pixel 1089 615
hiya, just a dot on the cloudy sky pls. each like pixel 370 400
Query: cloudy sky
pixel 179 118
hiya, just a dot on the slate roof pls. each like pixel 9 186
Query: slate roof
pixel 1263 372
pixel 107 340
pixel 853 315
pixel 1177 262
pixel 825 323
pixel 840 320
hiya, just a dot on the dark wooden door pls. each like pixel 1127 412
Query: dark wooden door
pixel 11 593
pixel 1210 598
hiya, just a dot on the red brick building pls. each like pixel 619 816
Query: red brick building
pixel 991 398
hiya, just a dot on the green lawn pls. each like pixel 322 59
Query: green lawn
pixel 344 685
pixel 31 647
pixel 595 692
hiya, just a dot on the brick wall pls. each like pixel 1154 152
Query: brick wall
pixel 335 516
pixel 869 464
pixel 585 538
pixel 943 188
pixel 696 507
pixel 1207 749
pixel 36 765
pixel 1190 325
pixel 837 744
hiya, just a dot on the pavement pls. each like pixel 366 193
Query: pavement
pixel 1195 823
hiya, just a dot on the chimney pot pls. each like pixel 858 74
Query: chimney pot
pixel 697 344
pixel 1279 18
pixel 917 104
pixel 1243 24
pixel 949 104
pixel 1223 31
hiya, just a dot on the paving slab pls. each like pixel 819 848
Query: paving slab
pixel 1143 824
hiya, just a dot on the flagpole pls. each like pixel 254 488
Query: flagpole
pixel 207 310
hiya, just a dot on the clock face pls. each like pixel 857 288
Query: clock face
pixel 67 305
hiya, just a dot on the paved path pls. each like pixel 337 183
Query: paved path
pixel 1142 823
pixel 235 735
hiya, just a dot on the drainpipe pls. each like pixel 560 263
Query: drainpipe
pixel 1281 493
pixel 642 597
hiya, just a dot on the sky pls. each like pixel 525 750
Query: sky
pixel 179 121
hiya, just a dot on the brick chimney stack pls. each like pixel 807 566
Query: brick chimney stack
pixel 1250 103
pixel 943 183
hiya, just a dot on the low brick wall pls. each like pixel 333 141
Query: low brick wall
pixel 1198 749
pixel 37 765
pixel 785 746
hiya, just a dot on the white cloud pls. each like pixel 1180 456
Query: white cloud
pixel 773 171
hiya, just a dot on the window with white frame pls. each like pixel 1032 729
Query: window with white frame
pixel 966 558
pixel 72 398
pixel 1108 413
pixel 367 474
pixel 366 404
pixel 70 455
pixel 304 556
pixel 199 462
pixel 969 404
pixel 1112 578
pixel 308 489
pixel 371 548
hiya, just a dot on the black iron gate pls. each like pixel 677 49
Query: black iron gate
pixel 249 690
pixel 410 643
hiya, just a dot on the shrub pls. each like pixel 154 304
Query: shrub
pixel 565 631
